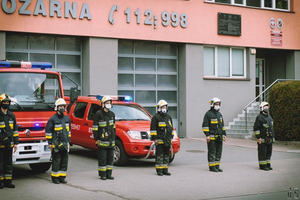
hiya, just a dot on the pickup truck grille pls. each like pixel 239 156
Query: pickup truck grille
pixel 31 128
pixel 145 135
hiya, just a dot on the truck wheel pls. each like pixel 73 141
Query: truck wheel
pixel 120 157
pixel 171 158
pixel 40 167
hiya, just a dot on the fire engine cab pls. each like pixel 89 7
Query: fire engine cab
pixel 132 128
pixel 33 92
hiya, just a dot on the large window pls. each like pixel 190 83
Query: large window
pixel 266 4
pixel 148 71
pixel 64 52
pixel 226 62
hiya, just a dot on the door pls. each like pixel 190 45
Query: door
pixel 259 78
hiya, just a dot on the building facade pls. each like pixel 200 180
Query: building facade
pixel 183 51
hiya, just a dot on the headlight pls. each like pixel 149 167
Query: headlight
pixel 46 148
pixel 175 134
pixel 135 135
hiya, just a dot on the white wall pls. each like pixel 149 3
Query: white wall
pixel 234 94
pixel 2 46
pixel 100 66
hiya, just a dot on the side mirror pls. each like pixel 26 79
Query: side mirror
pixel 73 94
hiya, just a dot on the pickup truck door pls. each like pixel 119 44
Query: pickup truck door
pixel 92 110
pixel 78 123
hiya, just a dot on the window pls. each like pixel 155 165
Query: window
pixel 267 4
pixel 80 110
pixel 224 62
pixel 93 109
pixel 64 52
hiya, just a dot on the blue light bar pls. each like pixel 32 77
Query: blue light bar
pixel 42 65
pixel 17 64
pixel 99 97
pixel 128 98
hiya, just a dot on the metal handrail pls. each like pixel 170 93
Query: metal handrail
pixel 276 81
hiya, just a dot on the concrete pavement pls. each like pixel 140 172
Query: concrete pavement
pixel 251 143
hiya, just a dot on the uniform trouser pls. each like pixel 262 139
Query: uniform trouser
pixel 264 155
pixel 214 153
pixel 59 164
pixel 162 158
pixel 105 161
pixel 6 167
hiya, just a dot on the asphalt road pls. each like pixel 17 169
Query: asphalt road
pixel 190 177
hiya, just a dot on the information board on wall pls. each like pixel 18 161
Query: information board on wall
pixel 229 24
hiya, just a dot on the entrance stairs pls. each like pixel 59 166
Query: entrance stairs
pixel 237 128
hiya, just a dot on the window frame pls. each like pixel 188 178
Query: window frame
pixel 262 5
pixel 231 76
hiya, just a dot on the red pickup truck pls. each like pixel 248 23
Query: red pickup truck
pixel 132 128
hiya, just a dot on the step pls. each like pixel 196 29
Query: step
pixel 240 122
pixel 238 135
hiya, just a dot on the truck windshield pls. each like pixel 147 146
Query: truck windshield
pixel 30 91
pixel 129 113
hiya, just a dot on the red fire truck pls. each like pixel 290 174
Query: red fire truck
pixel 33 92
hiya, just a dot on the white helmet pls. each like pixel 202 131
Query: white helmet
pixel 105 99
pixel 161 103
pixel 262 105
pixel 59 102
pixel 213 101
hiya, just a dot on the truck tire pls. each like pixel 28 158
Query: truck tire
pixel 40 167
pixel 120 157
pixel 171 158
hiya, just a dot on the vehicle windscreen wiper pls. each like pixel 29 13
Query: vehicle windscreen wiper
pixel 17 105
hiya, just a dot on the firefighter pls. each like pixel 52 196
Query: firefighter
pixel 161 131
pixel 104 131
pixel 58 134
pixel 214 130
pixel 263 129
pixel 9 139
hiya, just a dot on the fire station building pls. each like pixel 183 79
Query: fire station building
pixel 183 51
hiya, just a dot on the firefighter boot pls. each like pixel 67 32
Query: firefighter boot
pixel 62 180
pixel 108 175
pixel 165 172
pixel 1 184
pixel 55 180
pixel 269 166
pixel 218 168
pixel 213 169
pixel 159 172
pixel 8 184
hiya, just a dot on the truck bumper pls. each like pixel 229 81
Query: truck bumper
pixel 141 148
pixel 30 153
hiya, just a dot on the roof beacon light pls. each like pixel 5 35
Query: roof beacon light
pixel 128 98
pixel 17 64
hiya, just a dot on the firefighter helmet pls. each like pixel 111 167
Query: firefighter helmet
pixel 262 105
pixel 4 97
pixel 161 103
pixel 213 101
pixel 105 99
pixel 59 102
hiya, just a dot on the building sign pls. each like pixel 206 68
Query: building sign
pixel 149 18
pixel 272 23
pixel 276 38
pixel 229 24
pixel 55 8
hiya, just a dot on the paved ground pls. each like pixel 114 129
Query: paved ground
pixel 190 178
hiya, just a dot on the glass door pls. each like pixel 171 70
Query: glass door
pixel 260 78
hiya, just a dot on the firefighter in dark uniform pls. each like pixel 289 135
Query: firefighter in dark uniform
pixel 214 130
pixel 161 131
pixel 58 134
pixel 9 139
pixel 263 129
pixel 104 131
